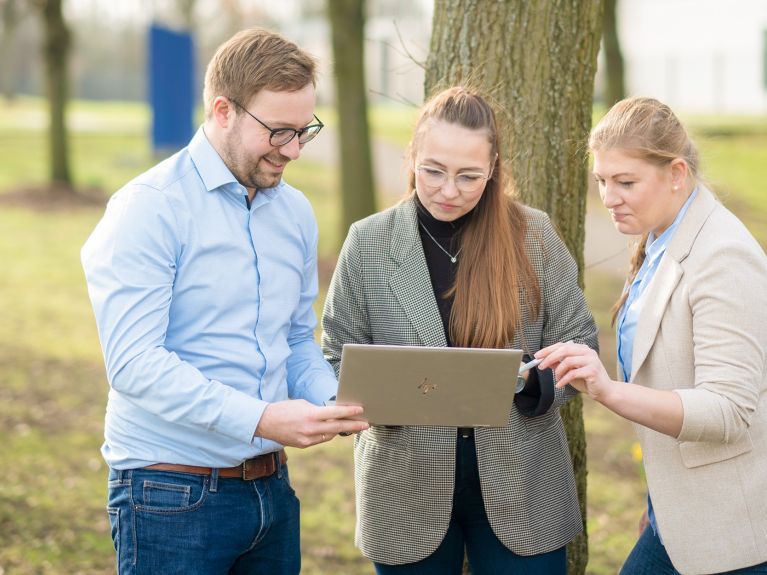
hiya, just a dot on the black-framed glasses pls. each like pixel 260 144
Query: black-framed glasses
pixel 281 136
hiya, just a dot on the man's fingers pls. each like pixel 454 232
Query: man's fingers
pixel 340 411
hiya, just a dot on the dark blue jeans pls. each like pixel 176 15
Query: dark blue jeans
pixel 470 528
pixel 179 523
pixel 649 557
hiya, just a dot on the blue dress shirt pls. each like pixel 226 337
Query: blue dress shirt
pixel 632 308
pixel 204 311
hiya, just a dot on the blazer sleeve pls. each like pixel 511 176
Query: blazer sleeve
pixel 345 318
pixel 566 316
pixel 564 313
pixel 726 290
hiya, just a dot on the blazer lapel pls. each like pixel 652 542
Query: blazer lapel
pixel 410 283
pixel 668 274
pixel 658 293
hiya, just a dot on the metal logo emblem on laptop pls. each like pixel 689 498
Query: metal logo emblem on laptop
pixel 426 387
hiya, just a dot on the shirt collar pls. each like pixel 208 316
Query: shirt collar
pixel 656 246
pixel 209 164
pixel 213 171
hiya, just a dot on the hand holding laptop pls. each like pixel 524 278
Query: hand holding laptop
pixel 298 423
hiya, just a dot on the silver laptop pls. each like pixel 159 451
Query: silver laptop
pixel 414 385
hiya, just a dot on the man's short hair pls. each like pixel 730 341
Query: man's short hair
pixel 253 60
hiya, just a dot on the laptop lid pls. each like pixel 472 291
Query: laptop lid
pixel 416 385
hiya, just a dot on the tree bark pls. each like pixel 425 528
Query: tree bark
pixel 615 88
pixel 57 44
pixel 347 18
pixel 537 58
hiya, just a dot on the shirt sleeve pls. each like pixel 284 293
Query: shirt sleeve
pixel 130 265
pixel 310 377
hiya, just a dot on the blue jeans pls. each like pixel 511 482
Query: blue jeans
pixel 649 557
pixel 180 523
pixel 470 528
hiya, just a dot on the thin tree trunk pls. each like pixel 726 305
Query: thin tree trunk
pixel 10 19
pixel 538 59
pixel 347 19
pixel 615 89
pixel 57 45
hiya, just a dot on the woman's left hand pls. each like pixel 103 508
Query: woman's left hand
pixel 577 365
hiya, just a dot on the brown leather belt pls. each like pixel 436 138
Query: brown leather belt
pixel 250 469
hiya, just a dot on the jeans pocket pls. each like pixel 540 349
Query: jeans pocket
pixel 114 522
pixel 162 492
pixel 285 477
pixel 166 495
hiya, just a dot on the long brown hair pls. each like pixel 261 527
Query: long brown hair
pixel 495 275
pixel 650 131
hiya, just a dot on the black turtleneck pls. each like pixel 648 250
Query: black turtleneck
pixel 441 269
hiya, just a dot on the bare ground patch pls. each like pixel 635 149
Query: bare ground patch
pixel 53 197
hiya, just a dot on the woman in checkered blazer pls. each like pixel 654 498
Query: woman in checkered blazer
pixel 460 263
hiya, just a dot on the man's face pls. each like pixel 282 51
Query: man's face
pixel 246 149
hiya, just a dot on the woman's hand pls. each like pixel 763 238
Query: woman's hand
pixel 577 365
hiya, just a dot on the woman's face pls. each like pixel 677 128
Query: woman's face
pixel 641 197
pixel 451 165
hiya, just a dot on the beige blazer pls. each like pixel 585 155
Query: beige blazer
pixel 703 334
pixel 404 476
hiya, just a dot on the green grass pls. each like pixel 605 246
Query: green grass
pixel 53 391
pixel 393 124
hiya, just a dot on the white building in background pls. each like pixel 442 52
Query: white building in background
pixel 704 56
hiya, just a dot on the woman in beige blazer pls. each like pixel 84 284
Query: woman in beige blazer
pixel 459 262
pixel 692 343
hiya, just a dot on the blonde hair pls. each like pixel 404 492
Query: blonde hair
pixel 495 275
pixel 253 60
pixel 648 130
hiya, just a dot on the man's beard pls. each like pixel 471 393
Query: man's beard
pixel 245 170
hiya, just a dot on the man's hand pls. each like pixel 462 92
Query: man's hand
pixel 298 423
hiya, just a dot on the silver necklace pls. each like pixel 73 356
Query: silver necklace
pixel 453 258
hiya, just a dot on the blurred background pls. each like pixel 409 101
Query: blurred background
pixel 78 119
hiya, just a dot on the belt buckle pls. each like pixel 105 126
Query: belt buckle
pixel 258 467
pixel 249 470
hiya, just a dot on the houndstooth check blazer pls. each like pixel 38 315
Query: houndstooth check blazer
pixel 404 476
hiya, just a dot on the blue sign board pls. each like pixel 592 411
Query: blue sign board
pixel 171 88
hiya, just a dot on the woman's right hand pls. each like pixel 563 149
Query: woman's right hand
pixel 577 365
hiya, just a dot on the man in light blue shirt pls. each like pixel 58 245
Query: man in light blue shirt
pixel 202 275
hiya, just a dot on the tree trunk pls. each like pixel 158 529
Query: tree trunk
pixel 10 19
pixel 537 58
pixel 57 44
pixel 186 10
pixel 615 89
pixel 347 18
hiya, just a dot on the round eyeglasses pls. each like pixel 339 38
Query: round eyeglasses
pixel 281 136
pixel 466 182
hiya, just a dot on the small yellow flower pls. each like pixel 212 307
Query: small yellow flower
pixel 636 451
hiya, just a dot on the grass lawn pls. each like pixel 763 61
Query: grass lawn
pixel 52 386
